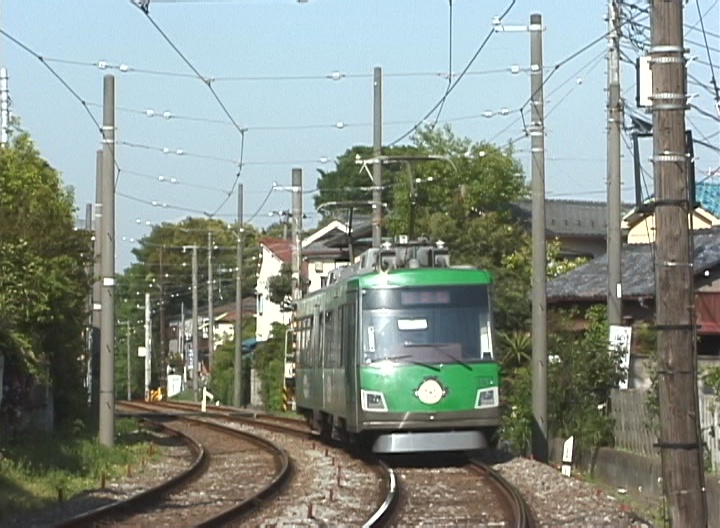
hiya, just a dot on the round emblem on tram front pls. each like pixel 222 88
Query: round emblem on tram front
pixel 430 391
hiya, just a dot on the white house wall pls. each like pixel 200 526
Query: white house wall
pixel 268 312
pixel 316 274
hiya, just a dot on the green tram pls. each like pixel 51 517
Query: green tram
pixel 396 353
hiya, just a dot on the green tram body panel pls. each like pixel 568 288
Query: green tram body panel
pixel 330 373
pixel 401 384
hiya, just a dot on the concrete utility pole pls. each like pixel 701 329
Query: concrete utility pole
pixel 148 346
pixel 196 373
pixel 4 108
pixel 129 371
pixel 680 448
pixel 181 340
pixel 296 232
pixel 237 393
pixel 94 359
pixel 539 253
pixel 615 119
pixel 89 213
pixel 211 311
pixel 377 212
pixel 107 317
pixel 163 353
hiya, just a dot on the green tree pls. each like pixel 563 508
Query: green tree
pixel 581 373
pixel 44 280
pixel 164 269
pixel 280 285
pixel 270 365
pixel 222 382
pixel 463 197
pixel 350 182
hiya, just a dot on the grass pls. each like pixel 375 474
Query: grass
pixel 43 468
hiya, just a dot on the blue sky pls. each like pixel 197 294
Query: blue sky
pixel 271 60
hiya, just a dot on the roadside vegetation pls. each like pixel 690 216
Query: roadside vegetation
pixel 42 469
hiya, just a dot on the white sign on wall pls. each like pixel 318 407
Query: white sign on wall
pixel 620 339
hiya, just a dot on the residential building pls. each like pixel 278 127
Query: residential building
pixel 318 259
pixel 639 223
pixel 587 285
pixel 224 329
pixel 579 226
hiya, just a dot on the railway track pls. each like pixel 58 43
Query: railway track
pixel 199 496
pixel 454 490
pixel 334 486
pixel 331 487
pixel 322 485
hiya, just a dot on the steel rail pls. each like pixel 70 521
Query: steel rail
pixel 522 513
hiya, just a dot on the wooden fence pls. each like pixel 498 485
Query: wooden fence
pixel 634 431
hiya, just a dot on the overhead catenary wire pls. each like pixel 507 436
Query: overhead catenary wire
pixel 709 57
pixel 208 82
pixel 334 76
pixel 459 78
pixel 573 77
pixel 450 60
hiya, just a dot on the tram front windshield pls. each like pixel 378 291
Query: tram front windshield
pixel 428 325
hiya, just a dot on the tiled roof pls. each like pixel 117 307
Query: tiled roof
pixel 569 217
pixel 280 247
pixel 589 282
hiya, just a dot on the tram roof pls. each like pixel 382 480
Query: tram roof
pixel 423 277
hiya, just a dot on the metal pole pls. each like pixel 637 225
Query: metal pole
pixel 539 262
pixel 681 450
pixel 181 340
pixel 89 212
pixel 615 119
pixel 296 231
pixel 377 211
pixel 4 108
pixel 148 346
pixel 129 377
pixel 94 359
pixel 107 317
pixel 162 355
pixel 211 311
pixel 237 394
pixel 195 322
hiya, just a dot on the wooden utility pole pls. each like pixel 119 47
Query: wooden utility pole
pixel 680 448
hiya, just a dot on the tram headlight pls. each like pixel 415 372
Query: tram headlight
pixel 373 401
pixel 487 398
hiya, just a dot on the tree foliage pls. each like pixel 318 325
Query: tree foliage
pixel 580 376
pixel 163 268
pixel 270 365
pixel 280 285
pixel 350 181
pixel 44 279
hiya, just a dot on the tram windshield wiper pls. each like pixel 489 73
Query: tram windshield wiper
pixel 441 347
pixel 408 358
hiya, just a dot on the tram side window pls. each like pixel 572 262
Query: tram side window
pixel 348 332
pixel 328 337
pixel 304 342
